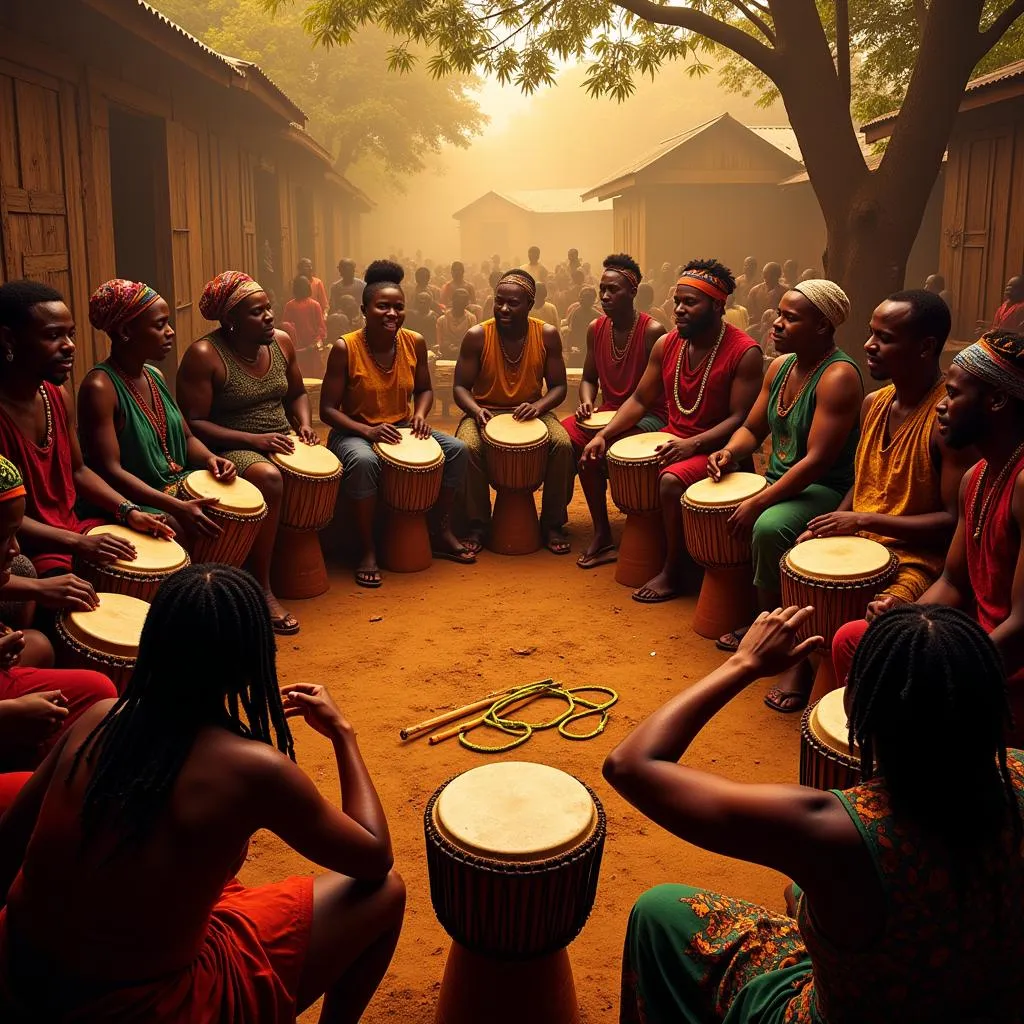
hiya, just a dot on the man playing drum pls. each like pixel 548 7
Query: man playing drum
pixel 241 391
pixel 984 571
pixel 377 380
pixel 503 367
pixel 810 404
pixel 709 374
pixel 618 347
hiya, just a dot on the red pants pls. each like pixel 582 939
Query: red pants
pixel 844 644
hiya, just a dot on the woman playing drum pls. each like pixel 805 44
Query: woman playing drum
pixel 378 380
pixel 141 816
pixel 132 431
pixel 242 394
pixel 910 882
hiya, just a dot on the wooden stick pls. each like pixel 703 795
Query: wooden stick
pixel 475 723
pixel 412 731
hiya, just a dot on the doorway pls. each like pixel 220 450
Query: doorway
pixel 268 233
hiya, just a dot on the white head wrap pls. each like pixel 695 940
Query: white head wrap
pixel 827 297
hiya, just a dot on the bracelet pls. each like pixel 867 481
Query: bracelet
pixel 124 510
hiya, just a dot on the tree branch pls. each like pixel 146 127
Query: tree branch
pixel 843 47
pixel 763 57
pixel 1001 25
pixel 759 23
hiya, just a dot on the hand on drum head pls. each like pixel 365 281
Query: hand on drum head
pixel 104 548
pixel 384 433
pixel 65 593
pixel 880 605
pixel 193 513
pixel 835 524
pixel 147 522
pixel 307 435
pixel 719 463
pixel 595 450
pixel 271 444
pixel 222 469
pixel 27 721
pixel 741 522
pixel 770 645
pixel 526 411
pixel 420 427
pixel 675 451
pixel 316 706
pixel 483 417
pixel 584 411
pixel 12 643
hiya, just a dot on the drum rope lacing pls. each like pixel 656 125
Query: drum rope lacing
pixel 521 731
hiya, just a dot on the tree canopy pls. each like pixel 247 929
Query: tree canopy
pixel 357 109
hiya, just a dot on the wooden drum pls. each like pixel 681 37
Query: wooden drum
pixel 727 595
pixel 513 853
pixel 312 477
pixel 517 457
pixel 156 559
pixel 239 514
pixel 634 475
pixel 410 482
pixel 826 760
pixel 105 639
pixel 839 576
pixel 597 421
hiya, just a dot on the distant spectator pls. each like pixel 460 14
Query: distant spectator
pixel 581 316
pixel 534 266
pixel 766 295
pixel 542 308
pixel 350 308
pixel 421 317
pixel 746 280
pixel 452 326
pixel 645 303
pixel 1010 315
pixel 347 284
pixel 306 315
pixel 458 281
pixel 736 315
pixel 936 284
pixel 790 273
pixel 337 325
pixel 423 285
pixel 319 291
pixel 572 259
pixel 810 274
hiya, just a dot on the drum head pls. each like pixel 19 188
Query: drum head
pixel 114 627
pixel 515 811
pixel 828 724
pixel 599 420
pixel 638 447
pixel 238 496
pixel 309 460
pixel 730 490
pixel 505 429
pixel 838 558
pixel 412 451
pixel 153 554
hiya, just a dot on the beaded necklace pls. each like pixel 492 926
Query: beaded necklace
pixel 48 416
pixel 157 415
pixel 704 378
pixel 619 354
pixel 785 411
pixel 980 515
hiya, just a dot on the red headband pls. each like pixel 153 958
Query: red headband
pixel 708 287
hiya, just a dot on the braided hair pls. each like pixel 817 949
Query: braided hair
pixel 381 274
pixel 220 613
pixel 927 682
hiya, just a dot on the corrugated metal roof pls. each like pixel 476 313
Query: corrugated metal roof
pixel 544 200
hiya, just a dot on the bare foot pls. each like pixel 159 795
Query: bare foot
pixel 445 544
pixel 663 587
pixel 473 542
pixel 556 543
pixel 601 551
pixel 283 622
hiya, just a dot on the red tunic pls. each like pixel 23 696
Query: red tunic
pixel 619 378
pixel 48 479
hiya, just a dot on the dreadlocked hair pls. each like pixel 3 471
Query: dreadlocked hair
pixel 927 679
pixel 381 274
pixel 716 268
pixel 220 613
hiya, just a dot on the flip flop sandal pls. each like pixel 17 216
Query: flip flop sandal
pixel 369 578
pixel 730 642
pixel 474 545
pixel 655 598
pixel 602 556
pixel 775 694
pixel 559 547
pixel 464 557
pixel 286 625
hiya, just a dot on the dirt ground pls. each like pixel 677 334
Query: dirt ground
pixel 430 641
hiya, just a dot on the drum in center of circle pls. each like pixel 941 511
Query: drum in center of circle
pixel 634 474
pixel 826 758
pixel 156 559
pixel 239 512
pixel 516 453
pixel 411 473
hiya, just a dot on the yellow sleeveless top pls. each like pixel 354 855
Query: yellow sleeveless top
pixel 500 385
pixel 374 395
pixel 898 478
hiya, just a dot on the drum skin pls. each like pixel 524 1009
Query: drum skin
pixel 513 910
pixel 708 539
pixel 84 648
pixel 122 578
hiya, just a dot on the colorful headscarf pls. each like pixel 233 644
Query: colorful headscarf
pixel 827 297
pixel 225 292
pixel 11 484
pixel 704 281
pixel 998 359
pixel 523 279
pixel 117 302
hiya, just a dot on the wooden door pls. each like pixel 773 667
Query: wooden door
pixel 247 191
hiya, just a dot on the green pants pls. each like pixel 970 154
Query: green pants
pixel 558 479
pixel 778 527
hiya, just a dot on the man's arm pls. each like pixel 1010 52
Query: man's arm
pixel 743 395
pixel 467 369
pixel 1008 636
pixel 649 392
pixel 652 333
pixel 423 390
pixel 748 438
pixel 589 382
pixel 554 372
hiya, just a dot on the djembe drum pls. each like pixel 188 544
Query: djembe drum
pixel 513 853
pixel 633 475
pixel 239 513
pixel 313 386
pixel 156 559
pixel 410 482
pixel 839 577
pixel 516 452
pixel 826 760
pixel 727 593
pixel 597 421
pixel 312 477
pixel 105 639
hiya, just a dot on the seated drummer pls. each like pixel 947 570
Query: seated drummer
pixel 618 347
pixel 37 417
pixel 910 883
pixel 810 405
pixel 132 431
pixel 709 374
pixel 983 409
pixel 127 908
pixel 241 391
pixel 38 703
pixel 378 380
pixel 502 368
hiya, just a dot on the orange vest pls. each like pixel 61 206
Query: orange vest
pixel 499 384
pixel 374 395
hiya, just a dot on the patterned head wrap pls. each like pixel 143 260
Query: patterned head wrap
pixel 523 279
pixel 117 302
pixel 628 274
pixel 998 359
pixel 11 484
pixel 704 281
pixel 827 297
pixel 225 292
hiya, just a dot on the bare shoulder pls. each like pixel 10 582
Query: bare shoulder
pixel 552 339
pixel 284 342
pixel 653 331
pixel 842 376
pixel 96 386
pixel 773 368
pixel 201 354
pixel 474 338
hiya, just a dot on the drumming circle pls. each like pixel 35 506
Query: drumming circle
pixel 732 489
pixel 828 723
pixel 114 627
pixel 838 558
pixel 515 811
pixel 314 460
pixel 639 447
pixel 153 554
pixel 598 420
pixel 411 451
pixel 238 495
pixel 507 430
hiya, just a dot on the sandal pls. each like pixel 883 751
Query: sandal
pixel 647 596
pixel 730 642
pixel 558 546
pixel 285 625
pixel 463 557
pixel 473 544
pixel 602 556
pixel 369 578
pixel 774 699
